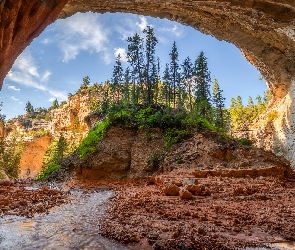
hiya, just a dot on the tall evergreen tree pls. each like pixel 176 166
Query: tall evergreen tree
pixel 166 91
pixel 136 59
pixel 150 63
pixel 117 79
pixel 174 72
pixel 218 102
pixel 29 107
pixel 239 102
pixel 267 96
pixel 125 90
pixel 203 79
pixel 188 81
pixel 85 83
pixel 2 117
pixel 259 100
pixel 232 103
pixel 250 102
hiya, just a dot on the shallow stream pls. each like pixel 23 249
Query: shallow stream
pixel 71 226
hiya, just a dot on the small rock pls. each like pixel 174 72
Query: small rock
pixel 190 181
pixel 171 190
pixel 194 189
pixel 185 194
pixel 201 230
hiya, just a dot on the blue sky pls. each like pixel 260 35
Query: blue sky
pixel 55 63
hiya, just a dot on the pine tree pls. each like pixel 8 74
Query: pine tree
pixel 232 103
pixel 86 82
pixel 2 117
pixel 218 102
pixel 117 78
pixel 174 72
pixel 239 102
pixel 166 91
pixel 150 63
pixel 29 107
pixel 250 102
pixel 267 96
pixel 188 81
pixel 136 59
pixel 203 80
pixel 125 90
pixel 259 100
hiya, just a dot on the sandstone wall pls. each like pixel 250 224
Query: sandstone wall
pixel 32 156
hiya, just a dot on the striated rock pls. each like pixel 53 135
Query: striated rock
pixel 171 190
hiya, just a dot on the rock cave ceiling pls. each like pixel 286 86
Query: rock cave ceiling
pixel 264 30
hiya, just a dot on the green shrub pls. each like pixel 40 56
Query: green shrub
pixel 45 172
pixel 245 142
pixel 173 136
pixel 179 161
pixel 154 162
pixel 90 143
pixel 272 115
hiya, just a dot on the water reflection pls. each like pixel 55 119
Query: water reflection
pixel 71 226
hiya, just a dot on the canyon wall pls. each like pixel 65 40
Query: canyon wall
pixel 37 134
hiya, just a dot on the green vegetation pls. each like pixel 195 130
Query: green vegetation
pixel 10 155
pixel 90 143
pixel 242 115
pixel 53 156
pixel 245 142
pixel 173 136
pixel 47 171
pixel 154 162
pixel 272 115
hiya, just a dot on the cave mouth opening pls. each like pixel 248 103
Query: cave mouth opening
pixel 87 43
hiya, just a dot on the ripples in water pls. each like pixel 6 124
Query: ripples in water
pixel 70 226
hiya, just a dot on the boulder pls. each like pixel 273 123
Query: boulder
pixel 171 190
pixel 185 194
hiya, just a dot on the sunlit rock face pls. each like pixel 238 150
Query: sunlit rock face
pixel 275 129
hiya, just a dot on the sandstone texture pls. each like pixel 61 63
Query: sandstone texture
pixel 122 153
pixel 32 156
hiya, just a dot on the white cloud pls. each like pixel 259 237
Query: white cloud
pixel 167 31
pixel 81 32
pixel 25 63
pixel 45 76
pixel 143 23
pixel 13 98
pixel 122 53
pixel 13 88
pixel 51 99
pixel 25 72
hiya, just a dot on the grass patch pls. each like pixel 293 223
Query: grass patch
pixel 173 136
pixel 44 173
pixel 90 143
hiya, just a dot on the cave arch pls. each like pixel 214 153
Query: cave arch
pixel 264 30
